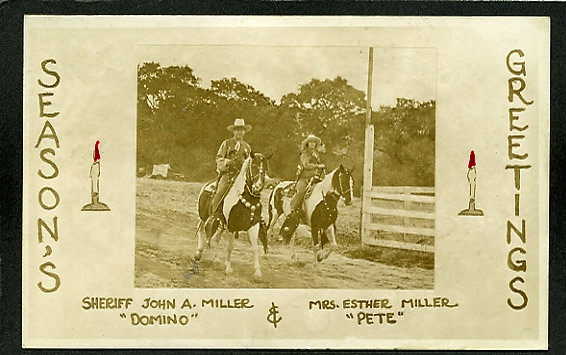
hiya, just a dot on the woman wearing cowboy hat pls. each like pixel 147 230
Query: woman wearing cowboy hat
pixel 229 160
pixel 309 167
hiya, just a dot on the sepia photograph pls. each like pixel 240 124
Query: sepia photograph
pixel 285 167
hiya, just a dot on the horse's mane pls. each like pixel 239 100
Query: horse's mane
pixel 237 187
pixel 240 181
pixel 335 178
pixel 327 182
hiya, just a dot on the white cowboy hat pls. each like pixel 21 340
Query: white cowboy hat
pixel 239 123
pixel 310 138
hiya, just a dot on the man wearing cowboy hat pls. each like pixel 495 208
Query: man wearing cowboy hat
pixel 229 159
pixel 309 167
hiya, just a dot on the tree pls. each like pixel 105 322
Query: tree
pixel 236 91
pixel 330 109
pixel 404 143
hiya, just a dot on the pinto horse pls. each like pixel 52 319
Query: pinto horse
pixel 320 211
pixel 241 211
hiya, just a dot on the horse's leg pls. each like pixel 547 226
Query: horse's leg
pixel 253 234
pixel 201 237
pixel 330 235
pixel 271 227
pixel 229 247
pixel 293 255
pixel 316 244
pixel 215 242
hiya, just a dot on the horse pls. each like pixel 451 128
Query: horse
pixel 241 211
pixel 320 211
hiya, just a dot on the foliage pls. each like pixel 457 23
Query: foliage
pixel 404 143
pixel 182 123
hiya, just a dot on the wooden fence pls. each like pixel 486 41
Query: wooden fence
pixel 404 210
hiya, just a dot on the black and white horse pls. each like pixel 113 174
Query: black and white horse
pixel 320 211
pixel 241 211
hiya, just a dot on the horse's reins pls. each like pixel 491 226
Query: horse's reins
pixel 342 192
pixel 250 174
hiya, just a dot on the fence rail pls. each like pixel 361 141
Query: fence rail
pixel 404 195
pixel 401 197
pixel 400 213
pixel 404 189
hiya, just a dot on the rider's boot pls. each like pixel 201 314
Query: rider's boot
pixel 290 225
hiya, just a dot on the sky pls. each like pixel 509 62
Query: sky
pixel 278 70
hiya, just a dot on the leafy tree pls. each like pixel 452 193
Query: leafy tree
pixel 236 91
pixel 404 143
pixel 182 123
pixel 330 109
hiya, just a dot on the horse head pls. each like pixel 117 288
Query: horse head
pixel 257 168
pixel 343 183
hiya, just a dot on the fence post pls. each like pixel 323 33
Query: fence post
pixel 368 180
pixel 368 154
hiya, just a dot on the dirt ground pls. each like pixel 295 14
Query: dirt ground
pixel 166 222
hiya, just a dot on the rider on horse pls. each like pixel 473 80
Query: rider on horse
pixel 310 168
pixel 229 160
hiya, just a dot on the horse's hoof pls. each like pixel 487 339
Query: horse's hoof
pixel 323 254
pixel 257 274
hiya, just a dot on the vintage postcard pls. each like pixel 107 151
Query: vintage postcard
pixel 286 182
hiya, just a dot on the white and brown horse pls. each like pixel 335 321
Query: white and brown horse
pixel 241 211
pixel 320 211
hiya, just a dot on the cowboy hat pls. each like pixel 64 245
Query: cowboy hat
pixel 310 138
pixel 239 123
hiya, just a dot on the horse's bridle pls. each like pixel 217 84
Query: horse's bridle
pixel 255 190
pixel 342 192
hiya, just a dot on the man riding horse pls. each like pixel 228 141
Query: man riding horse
pixel 310 168
pixel 229 159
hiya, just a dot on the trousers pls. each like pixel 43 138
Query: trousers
pixel 222 187
pixel 300 191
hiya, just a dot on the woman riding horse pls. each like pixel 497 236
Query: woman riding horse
pixel 309 168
